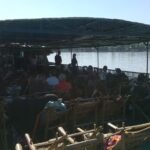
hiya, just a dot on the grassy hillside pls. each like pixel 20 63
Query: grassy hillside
pixel 58 29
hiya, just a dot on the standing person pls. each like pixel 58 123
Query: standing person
pixel 74 61
pixel 74 64
pixel 58 59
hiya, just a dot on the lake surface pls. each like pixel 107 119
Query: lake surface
pixel 128 61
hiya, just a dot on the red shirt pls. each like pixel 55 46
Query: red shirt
pixel 64 86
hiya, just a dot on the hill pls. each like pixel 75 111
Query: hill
pixel 78 32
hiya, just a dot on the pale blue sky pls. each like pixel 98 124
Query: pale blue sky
pixel 132 10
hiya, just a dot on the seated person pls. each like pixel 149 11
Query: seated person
pixel 100 89
pixel 120 76
pixel 64 86
pixel 103 74
pixel 52 80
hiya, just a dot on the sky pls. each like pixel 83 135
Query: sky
pixel 131 10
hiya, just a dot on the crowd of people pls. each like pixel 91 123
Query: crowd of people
pixel 25 89
pixel 68 81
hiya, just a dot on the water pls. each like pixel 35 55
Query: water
pixel 128 61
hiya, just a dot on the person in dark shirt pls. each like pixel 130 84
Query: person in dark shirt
pixel 74 64
pixel 58 59
pixel 74 61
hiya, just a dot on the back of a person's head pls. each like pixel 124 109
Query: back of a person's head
pixel 74 55
pixel 58 52
pixel 118 70
pixel 104 68
pixel 141 77
pixel 90 68
pixel 62 77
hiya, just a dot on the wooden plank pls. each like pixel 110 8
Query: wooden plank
pixel 63 132
pixel 112 126
pixel 82 131
pixel 82 144
pixel 57 141
pixel 52 140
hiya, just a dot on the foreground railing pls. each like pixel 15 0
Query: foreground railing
pixel 120 138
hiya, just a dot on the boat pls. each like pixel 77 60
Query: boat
pixel 21 39
pixel 80 113
pixel 124 138
pixel 45 113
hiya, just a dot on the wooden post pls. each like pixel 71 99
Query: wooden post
pixel 123 136
pixel 96 113
pixel 124 108
pixel 18 147
pixel 103 111
pixel 71 52
pixel 30 143
pixel 35 126
pixel 97 58
pixel 147 59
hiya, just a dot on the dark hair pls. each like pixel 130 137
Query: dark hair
pixel 105 68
